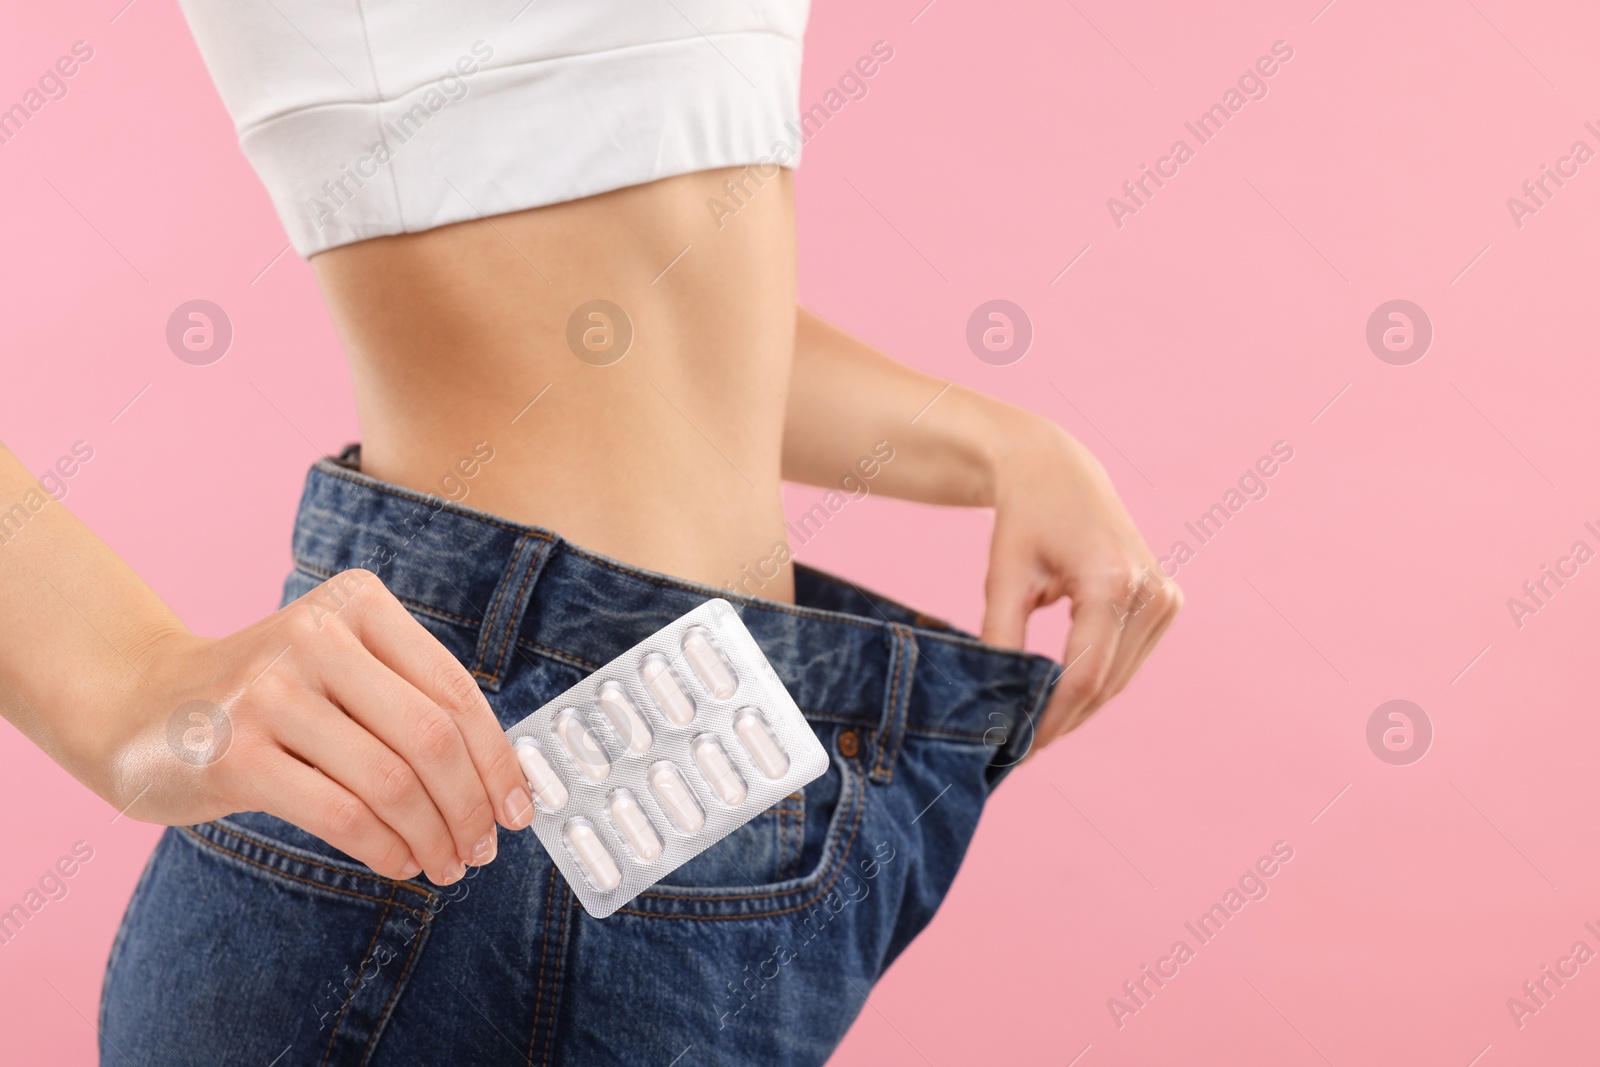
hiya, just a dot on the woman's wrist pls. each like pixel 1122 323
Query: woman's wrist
pixel 106 721
pixel 1002 439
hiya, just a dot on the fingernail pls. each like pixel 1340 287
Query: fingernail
pixel 411 869
pixel 484 850
pixel 519 808
pixel 451 874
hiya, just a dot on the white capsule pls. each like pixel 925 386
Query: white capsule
pixel 719 773
pixel 624 717
pixel 709 664
pixel 675 798
pixel 634 825
pixel 542 778
pixel 582 745
pixel 759 740
pixel 591 852
pixel 668 691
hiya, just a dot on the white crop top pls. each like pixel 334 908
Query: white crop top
pixel 373 117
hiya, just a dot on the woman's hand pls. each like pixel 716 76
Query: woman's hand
pixel 1060 531
pixel 340 714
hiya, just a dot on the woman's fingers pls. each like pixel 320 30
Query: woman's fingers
pixel 1091 653
pixel 402 644
pixel 1114 629
pixel 1010 595
pixel 317 804
pixel 386 784
pixel 352 722
pixel 432 767
pixel 1100 646
pixel 1153 605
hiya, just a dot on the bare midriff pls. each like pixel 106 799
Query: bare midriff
pixel 667 457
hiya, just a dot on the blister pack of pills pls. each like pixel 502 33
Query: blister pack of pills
pixel 660 754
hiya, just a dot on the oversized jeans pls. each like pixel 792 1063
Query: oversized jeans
pixel 249 941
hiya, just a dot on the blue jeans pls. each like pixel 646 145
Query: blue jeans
pixel 248 939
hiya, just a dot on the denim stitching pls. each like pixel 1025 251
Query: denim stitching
pixel 842 584
pixel 929 732
pixel 791 816
pixel 893 698
pixel 573 660
pixel 399 984
pixel 889 747
pixel 489 622
pixel 567 659
pixel 770 606
pixel 544 956
pixel 529 531
pixel 826 861
pixel 896 650
pixel 758 914
pixel 783 840
pixel 420 608
pixel 568 906
pixel 323 574
pixel 252 839
pixel 350 995
pixel 370 875
pixel 330 468
pixel 208 843
pixel 861 807
pixel 800 822
pixel 505 642
pixel 790 821
pixel 913 653
pixel 797 815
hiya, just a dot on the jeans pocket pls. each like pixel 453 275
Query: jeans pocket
pixel 768 849
pixel 775 863
pixel 288 954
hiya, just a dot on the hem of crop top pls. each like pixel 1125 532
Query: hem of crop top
pixel 529 135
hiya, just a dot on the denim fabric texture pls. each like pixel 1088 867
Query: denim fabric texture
pixel 250 941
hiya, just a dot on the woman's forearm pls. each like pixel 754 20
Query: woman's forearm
pixel 845 397
pixel 339 712
pixel 1059 529
pixel 77 628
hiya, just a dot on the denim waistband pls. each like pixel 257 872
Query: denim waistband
pixel 846 655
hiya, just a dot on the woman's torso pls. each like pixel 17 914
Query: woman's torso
pixel 484 338
pixel 468 180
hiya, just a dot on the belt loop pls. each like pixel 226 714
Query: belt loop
pixel 504 616
pixel 896 700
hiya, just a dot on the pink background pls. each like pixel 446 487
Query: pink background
pixel 1222 317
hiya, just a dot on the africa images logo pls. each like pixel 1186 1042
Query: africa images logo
pixel 1252 85
pixel 199 732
